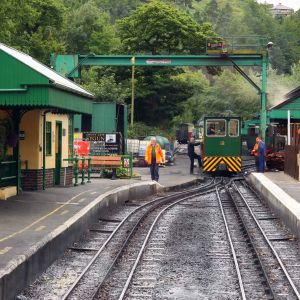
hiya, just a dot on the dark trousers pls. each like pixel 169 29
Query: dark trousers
pixel 256 163
pixel 154 172
pixel 192 157
pixel 261 163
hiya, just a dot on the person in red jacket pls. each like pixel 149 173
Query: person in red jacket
pixel 154 157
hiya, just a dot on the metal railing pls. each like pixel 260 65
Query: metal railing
pixel 83 168
pixel 252 44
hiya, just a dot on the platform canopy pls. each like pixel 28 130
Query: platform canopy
pixel 27 83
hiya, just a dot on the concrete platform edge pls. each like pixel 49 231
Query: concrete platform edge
pixel 287 208
pixel 182 185
pixel 24 270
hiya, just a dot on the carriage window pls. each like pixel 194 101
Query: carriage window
pixel 234 128
pixel 215 128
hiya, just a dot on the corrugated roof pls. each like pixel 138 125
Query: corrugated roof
pixel 289 97
pixel 55 78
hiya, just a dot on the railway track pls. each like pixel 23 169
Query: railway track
pixel 255 250
pixel 261 272
pixel 95 275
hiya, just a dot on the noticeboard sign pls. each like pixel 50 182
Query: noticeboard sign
pixel 103 143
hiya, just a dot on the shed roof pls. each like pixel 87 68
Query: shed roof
pixel 55 79
pixel 292 100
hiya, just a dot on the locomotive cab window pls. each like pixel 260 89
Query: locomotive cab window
pixel 216 128
pixel 233 127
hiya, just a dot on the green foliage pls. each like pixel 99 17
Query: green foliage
pixel 140 130
pixel 89 31
pixel 104 86
pixel 164 96
pixel 33 26
pixel 229 95
pixel 161 28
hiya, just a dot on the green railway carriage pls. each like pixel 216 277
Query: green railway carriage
pixel 222 144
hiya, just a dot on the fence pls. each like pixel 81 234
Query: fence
pixel 8 173
pixel 85 167
pixel 291 161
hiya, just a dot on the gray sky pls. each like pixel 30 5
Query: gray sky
pixel 295 4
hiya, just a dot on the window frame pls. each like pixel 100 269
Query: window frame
pixel 216 136
pixel 238 131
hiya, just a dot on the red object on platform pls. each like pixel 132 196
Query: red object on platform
pixel 81 148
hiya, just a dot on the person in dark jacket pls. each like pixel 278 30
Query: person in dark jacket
pixel 192 155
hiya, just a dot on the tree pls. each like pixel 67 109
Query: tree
pixel 104 86
pixel 89 30
pixel 212 11
pixel 33 26
pixel 161 28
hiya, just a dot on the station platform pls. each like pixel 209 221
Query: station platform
pixel 36 227
pixel 282 194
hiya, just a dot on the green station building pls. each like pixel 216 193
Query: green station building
pixel 37 106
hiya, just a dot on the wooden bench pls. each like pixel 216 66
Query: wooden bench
pixel 106 162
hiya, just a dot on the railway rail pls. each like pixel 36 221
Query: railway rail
pixel 86 286
pixel 260 270
pixel 265 268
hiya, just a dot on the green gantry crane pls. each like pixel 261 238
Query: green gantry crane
pixel 237 52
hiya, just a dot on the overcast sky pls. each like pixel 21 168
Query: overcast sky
pixel 295 4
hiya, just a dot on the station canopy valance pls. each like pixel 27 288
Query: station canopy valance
pixel 25 82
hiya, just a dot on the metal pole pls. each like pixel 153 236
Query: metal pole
pixel 263 110
pixel 44 150
pixel 289 127
pixel 16 151
pixel 132 90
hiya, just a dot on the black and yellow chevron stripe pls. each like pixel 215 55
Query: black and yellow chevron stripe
pixel 233 163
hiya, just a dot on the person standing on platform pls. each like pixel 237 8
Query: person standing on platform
pixel 259 151
pixel 192 155
pixel 153 157
pixel 254 152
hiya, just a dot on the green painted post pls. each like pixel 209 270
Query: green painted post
pixel 76 170
pixel 19 175
pixel 130 162
pixel 263 109
pixel 82 170
pixel 89 170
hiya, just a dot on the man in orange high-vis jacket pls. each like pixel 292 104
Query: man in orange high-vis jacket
pixel 255 152
pixel 154 157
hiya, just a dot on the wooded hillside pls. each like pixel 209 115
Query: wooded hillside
pixel 165 96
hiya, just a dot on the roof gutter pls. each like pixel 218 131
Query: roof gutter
pixel 13 90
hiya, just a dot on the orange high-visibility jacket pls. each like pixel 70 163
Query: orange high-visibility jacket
pixel 255 150
pixel 158 152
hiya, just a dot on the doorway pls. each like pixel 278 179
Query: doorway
pixel 58 151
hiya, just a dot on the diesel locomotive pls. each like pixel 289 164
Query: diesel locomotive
pixel 222 144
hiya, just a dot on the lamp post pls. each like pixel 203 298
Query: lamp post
pixel 132 89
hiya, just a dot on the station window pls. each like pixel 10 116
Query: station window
pixel 233 127
pixel 48 138
pixel 216 127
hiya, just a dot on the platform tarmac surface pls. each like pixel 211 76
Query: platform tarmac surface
pixel 27 218
pixel 290 185
pixel 282 194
